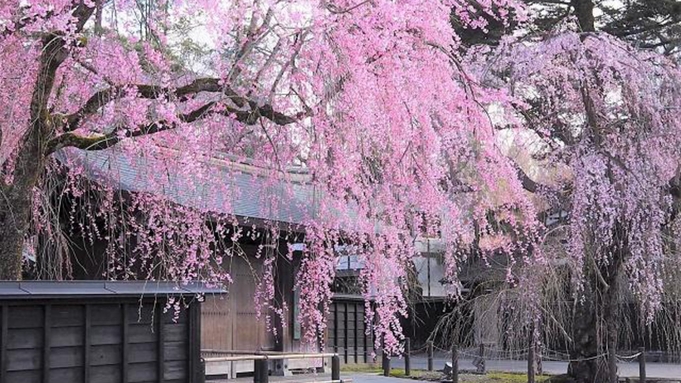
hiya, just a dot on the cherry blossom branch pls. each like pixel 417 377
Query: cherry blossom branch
pixel 254 35
pixel 337 11
pixel 103 141
pixel 103 97
pixel 290 62
pixel 24 22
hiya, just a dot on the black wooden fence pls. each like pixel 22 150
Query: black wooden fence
pixel 347 335
pixel 114 332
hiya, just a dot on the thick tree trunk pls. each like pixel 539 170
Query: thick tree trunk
pixel 586 365
pixel 16 206
pixel 12 228
pixel 99 5
pixel 17 198
pixel 584 10
pixel 599 313
pixel 610 319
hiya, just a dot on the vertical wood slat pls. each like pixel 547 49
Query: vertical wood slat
pixel 124 346
pixel 356 334
pixel 195 371
pixel 335 327
pixel 201 369
pixel 3 343
pixel 86 344
pixel 345 332
pixel 160 329
pixel 190 345
pixel 47 334
pixel 366 345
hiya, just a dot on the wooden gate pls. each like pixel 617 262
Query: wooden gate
pixel 229 321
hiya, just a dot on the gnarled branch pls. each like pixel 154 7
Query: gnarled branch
pixel 103 141
pixel 214 85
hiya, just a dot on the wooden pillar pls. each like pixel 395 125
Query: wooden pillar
pixel 386 364
pixel 385 360
pixel 257 371
pixel 642 365
pixel 261 372
pixel 455 363
pixel 482 368
pixel 407 356
pixel 194 318
pixel 335 367
pixel 335 327
pixel 429 351
pixel 530 360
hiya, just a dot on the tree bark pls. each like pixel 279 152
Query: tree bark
pixel 584 10
pixel 610 319
pixel 586 366
pixel 99 5
pixel 17 198
pixel 599 311
pixel 12 228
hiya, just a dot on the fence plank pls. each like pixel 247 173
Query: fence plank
pixel 47 322
pixel 125 340
pixel 4 335
pixel 86 343
pixel 160 328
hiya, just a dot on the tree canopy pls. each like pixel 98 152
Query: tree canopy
pixel 367 99
pixel 388 111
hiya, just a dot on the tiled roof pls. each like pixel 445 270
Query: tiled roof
pixel 249 195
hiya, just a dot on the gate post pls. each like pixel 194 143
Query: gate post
pixel 407 356
pixel 335 368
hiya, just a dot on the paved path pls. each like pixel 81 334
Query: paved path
pixel 653 370
pixel 356 377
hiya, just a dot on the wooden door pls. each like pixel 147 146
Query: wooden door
pixel 230 322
